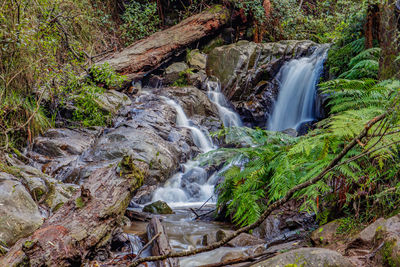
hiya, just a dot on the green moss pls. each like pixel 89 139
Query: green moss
pixel 28 244
pixel 215 9
pixel 387 253
pixel 58 206
pixel 79 203
pixel 129 170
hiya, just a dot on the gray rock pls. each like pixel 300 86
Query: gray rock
pixel 196 59
pixel 325 234
pixel 19 214
pixel 173 72
pixel 307 257
pixel 112 101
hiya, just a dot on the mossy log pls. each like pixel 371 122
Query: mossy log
pixel 85 223
pixel 148 54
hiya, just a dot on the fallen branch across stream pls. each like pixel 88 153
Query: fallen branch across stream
pixel 274 205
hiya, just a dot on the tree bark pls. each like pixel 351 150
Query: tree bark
pixel 148 54
pixel 161 245
pixel 82 225
pixel 389 43
pixel 372 26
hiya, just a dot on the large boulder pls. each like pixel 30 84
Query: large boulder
pixel 382 238
pixel 247 73
pixel 19 214
pixel 307 257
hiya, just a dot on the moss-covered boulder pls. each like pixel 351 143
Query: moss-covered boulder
pixel 158 207
pixel 382 236
pixel 196 59
pixel 19 214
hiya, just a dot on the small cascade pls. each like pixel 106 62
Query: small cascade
pixel 228 117
pixel 298 91
pixel 194 185
pixel 202 141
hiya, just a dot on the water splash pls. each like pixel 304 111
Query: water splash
pixel 298 91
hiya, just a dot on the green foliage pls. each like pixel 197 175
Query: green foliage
pixel 321 21
pixel 339 56
pixel 140 20
pixel 41 44
pixel 82 94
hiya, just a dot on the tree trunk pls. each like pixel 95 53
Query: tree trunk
pixel 388 66
pixel 372 26
pixel 148 54
pixel 82 225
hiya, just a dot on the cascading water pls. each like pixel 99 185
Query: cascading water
pixel 298 91
pixel 194 185
pixel 202 141
pixel 228 117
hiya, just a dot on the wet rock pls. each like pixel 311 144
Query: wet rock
pixel 285 224
pixel 192 189
pixel 245 240
pixel 196 59
pixel 233 255
pixel 307 257
pixel 19 214
pixel 112 101
pixel 325 234
pixel 291 132
pixel 255 250
pixel 197 78
pixel 158 207
pixel 173 72
pixel 193 101
pixel 247 73
pixel 285 247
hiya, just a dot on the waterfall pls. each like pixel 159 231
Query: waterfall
pixel 298 91
pixel 228 117
pixel 202 141
pixel 193 186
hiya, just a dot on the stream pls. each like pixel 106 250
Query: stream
pixel 194 186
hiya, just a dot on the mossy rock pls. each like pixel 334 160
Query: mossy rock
pixel 158 207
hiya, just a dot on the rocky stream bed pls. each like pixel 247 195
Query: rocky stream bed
pixel 70 187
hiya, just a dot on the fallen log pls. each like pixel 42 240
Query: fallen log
pixel 83 224
pixel 148 54
pixel 161 244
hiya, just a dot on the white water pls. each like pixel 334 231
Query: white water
pixel 194 186
pixel 228 117
pixel 298 91
pixel 201 140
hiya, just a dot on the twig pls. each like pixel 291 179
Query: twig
pixel 147 245
pixel 275 204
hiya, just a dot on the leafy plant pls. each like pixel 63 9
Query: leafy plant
pixel 140 20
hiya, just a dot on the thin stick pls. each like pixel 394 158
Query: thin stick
pixel 147 245
pixel 240 260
